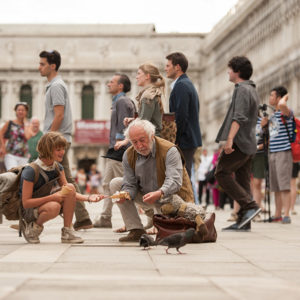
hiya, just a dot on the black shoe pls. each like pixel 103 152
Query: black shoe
pixel 85 224
pixel 248 216
pixel 235 227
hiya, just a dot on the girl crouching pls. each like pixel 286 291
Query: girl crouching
pixel 45 192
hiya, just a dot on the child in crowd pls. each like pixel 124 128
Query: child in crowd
pixel 45 192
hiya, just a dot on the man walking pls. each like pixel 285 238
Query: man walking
pixel 122 107
pixel 185 103
pixel 58 117
pixel 238 130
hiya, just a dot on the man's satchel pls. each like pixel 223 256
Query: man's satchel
pixel 167 226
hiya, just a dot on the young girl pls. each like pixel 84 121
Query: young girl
pixel 48 194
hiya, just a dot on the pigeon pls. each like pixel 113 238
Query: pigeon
pixel 146 241
pixel 177 240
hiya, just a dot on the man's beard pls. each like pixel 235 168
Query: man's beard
pixel 150 148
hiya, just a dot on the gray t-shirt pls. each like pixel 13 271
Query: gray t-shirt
pixel 57 94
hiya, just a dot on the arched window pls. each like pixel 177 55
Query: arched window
pixel 26 96
pixel 87 103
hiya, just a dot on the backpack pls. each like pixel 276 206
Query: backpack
pixel 295 139
pixel 9 191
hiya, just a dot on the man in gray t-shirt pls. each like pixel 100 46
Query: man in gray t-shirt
pixel 238 133
pixel 58 117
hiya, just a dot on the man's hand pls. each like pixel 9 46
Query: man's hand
pixel 120 144
pixel 228 146
pixel 127 121
pixel 264 122
pixel 152 197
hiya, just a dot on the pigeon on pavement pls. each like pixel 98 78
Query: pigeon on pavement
pixel 176 240
pixel 146 241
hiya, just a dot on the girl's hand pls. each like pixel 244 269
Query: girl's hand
pixel 58 197
pixel 95 197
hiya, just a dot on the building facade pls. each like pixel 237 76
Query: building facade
pixel 267 31
pixel 91 54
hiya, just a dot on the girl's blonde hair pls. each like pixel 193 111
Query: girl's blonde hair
pixel 49 142
pixel 155 77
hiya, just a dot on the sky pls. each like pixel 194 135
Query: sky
pixel 167 15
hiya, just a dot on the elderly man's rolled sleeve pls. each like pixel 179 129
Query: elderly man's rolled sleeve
pixel 129 179
pixel 173 180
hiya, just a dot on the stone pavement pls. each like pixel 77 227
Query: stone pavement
pixel 262 264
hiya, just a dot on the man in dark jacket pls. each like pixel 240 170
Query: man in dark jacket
pixel 185 103
pixel 238 133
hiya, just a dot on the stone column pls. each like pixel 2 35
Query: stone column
pixel 76 102
pixel 38 99
pixel 104 102
pixel 7 104
pixel 97 99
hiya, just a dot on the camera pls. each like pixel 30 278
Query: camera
pixel 263 108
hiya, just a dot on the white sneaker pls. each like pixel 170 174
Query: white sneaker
pixel 31 231
pixel 68 236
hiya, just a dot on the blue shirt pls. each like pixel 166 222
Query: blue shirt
pixel 119 135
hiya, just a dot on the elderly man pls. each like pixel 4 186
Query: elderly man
pixel 154 176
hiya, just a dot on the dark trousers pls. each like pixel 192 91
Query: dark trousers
pixel 238 187
pixel 188 157
pixel 203 184
pixel 223 199
pixel 80 211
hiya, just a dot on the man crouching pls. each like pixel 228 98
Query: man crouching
pixel 154 176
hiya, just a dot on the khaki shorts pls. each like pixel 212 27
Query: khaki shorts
pixel 258 166
pixel 280 170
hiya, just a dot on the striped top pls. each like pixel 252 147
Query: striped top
pixel 279 139
pixel 259 135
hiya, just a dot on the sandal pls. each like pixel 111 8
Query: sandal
pixel 152 231
pixel 121 230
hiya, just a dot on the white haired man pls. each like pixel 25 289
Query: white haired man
pixel 154 176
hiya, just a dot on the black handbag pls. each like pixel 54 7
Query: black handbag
pixel 210 176
pixel 6 134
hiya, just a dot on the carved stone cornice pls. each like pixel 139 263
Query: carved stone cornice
pixel 258 25
pixel 279 76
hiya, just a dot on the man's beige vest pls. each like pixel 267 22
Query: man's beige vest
pixel 162 147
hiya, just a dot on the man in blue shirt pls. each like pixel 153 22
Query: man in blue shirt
pixel 122 107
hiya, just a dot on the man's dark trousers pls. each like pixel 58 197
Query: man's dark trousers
pixel 237 188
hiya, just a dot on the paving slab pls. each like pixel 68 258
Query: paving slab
pixel 261 264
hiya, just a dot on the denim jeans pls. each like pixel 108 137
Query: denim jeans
pixel 237 188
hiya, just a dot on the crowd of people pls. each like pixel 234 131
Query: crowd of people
pixel 155 174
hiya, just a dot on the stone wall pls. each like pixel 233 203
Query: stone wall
pixel 268 32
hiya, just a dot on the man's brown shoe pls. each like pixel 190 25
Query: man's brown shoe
pixel 85 224
pixel 134 235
